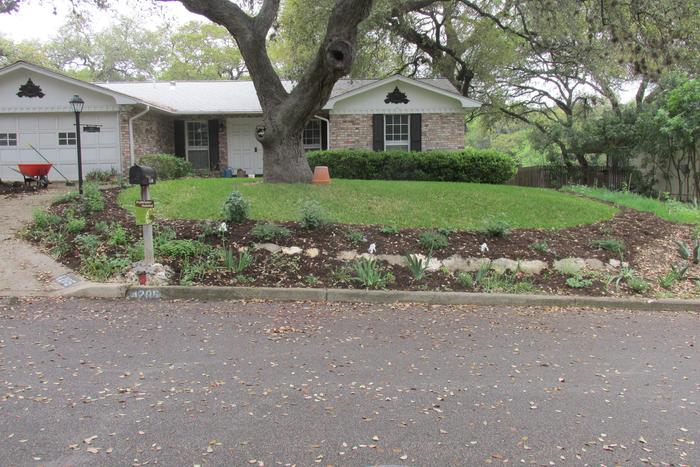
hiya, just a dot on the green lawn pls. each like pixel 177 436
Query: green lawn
pixel 397 203
pixel 673 211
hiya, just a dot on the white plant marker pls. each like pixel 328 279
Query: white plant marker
pixel 484 248
pixel 372 248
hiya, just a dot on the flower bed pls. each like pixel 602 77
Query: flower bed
pixel 579 260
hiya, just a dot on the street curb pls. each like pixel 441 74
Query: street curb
pixel 375 296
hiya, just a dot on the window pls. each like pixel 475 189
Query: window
pixel 197 135
pixel 311 138
pixel 8 139
pixel 198 145
pixel 396 137
pixel 67 139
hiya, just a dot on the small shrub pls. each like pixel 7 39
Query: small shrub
pixel 496 227
pixel 101 267
pixel 117 235
pixel 389 230
pixel 540 247
pixel 75 225
pixel 181 248
pixel 355 236
pixel 311 280
pixel 369 274
pixel 506 283
pixel 91 200
pixel 87 242
pixel 417 266
pixel 102 228
pixel 637 284
pixel 446 231
pixel 44 221
pixel 433 241
pixel 313 216
pixel 236 209
pixel 466 280
pixel 626 275
pixel 269 232
pixel 167 166
pixel 578 282
pixel 610 244
pixel 102 176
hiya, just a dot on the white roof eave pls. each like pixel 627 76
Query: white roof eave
pixel 466 102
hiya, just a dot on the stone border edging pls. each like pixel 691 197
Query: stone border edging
pixel 94 290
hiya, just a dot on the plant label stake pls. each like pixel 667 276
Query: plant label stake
pixel 144 176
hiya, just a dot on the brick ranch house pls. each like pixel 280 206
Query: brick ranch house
pixel 210 123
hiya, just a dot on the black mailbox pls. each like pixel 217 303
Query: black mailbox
pixel 142 175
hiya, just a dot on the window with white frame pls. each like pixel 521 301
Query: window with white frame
pixel 67 138
pixel 198 135
pixel 197 140
pixel 311 138
pixel 8 139
pixel 396 133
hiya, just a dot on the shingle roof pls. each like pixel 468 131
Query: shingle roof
pixel 220 97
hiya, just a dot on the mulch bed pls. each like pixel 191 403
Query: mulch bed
pixel 637 229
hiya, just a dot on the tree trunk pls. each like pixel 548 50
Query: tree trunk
pixel 284 160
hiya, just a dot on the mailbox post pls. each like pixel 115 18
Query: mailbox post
pixel 144 176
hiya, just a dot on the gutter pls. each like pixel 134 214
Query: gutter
pixel 328 129
pixel 131 132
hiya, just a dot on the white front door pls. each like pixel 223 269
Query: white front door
pixel 244 151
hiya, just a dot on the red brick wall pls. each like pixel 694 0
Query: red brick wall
pixel 351 131
pixel 442 131
pixel 439 131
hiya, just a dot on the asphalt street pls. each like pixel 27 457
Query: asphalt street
pixel 101 383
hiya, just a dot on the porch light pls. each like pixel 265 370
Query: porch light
pixel 77 104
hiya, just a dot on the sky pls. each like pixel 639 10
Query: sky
pixel 36 19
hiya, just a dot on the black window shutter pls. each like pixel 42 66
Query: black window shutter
pixel 416 141
pixel 324 135
pixel 213 144
pixel 378 132
pixel 180 138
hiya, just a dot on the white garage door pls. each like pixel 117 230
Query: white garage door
pixel 53 134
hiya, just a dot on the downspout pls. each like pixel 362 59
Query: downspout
pixel 131 132
pixel 328 129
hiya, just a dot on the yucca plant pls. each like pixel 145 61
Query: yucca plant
pixel 238 263
pixel 369 274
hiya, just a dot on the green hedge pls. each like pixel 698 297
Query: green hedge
pixel 167 166
pixel 471 165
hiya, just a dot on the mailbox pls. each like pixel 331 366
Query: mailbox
pixel 142 175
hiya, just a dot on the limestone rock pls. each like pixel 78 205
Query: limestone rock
pixel 616 263
pixel 347 255
pixel 456 263
pixel 312 252
pixel 271 247
pixel 532 268
pixel 593 264
pixel 394 260
pixel 156 274
pixel 570 266
pixel 501 265
pixel 292 250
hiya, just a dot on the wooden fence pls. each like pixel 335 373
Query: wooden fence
pixel 556 177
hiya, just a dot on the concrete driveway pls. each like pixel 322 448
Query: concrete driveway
pixel 229 383
pixel 26 270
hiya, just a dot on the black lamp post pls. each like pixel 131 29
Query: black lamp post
pixel 77 104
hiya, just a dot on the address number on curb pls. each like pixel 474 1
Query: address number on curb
pixel 150 294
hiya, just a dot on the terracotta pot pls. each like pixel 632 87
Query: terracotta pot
pixel 321 175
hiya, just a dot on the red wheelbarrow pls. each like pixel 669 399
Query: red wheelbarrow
pixel 36 173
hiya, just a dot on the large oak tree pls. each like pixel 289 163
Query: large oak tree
pixel 285 112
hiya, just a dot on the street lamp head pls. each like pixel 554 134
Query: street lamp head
pixel 77 104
